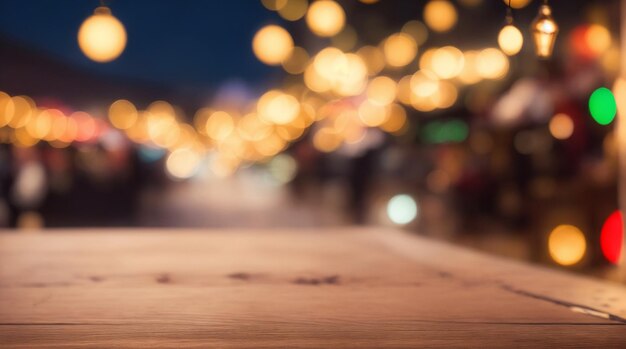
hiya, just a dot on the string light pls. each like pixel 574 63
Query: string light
pixel 544 30
pixel 510 38
pixel 102 37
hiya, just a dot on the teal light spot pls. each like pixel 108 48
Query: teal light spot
pixel 602 106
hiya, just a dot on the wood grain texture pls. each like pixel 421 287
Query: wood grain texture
pixel 295 289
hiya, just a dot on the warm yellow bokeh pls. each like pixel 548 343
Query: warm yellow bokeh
pixel 598 39
pixel 122 114
pixel 469 75
pixel 102 37
pixel 182 163
pixel 440 15
pixel 272 44
pixel 332 70
pixel 567 245
pixel 517 3
pixel 447 62
pixel 326 140
pixel 373 57
pixel 399 50
pixel 274 5
pixel 424 83
pixel 561 126
pixel 381 90
pixel 396 119
pixel 417 30
pixel 325 18
pixel 510 40
pixel 372 115
pixel 278 107
pixel 219 126
pixel 491 63
pixel 297 61
pixel 293 10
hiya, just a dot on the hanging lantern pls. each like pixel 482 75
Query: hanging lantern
pixel 544 30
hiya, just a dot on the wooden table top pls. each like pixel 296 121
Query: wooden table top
pixel 344 287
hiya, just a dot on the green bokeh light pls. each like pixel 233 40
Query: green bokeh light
pixel 602 106
pixel 451 131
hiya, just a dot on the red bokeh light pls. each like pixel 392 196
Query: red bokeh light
pixel 611 237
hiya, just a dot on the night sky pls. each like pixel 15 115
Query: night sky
pixel 176 43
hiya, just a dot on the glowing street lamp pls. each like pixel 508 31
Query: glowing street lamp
pixel 102 37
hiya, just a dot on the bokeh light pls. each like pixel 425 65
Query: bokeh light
pixel 102 37
pixel 325 18
pixel 272 44
pixel 417 30
pixel 399 49
pixel 440 15
pixel 297 61
pixel 122 114
pixel 182 163
pixel 561 126
pixel 381 90
pixel 492 64
pixel 293 10
pixel 567 245
pixel 510 40
pixel 447 62
pixel 278 107
pixel 612 237
pixel 602 106
pixel 402 209
pixel 283 168
pixel 517 4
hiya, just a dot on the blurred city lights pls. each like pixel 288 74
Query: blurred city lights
pixel 399 49
pixel 102 37
pixel 402 209
pixel 567 245
pixel 417 30
pixel 469 75
pixel 122 114
pixel 325 18
pixel 381 90
pixel 440 15
pixel 612 237
pixel 182 163
pixel 272 44
pixel 510 40
pixel 278 107
pixel 293 10
pixel 590 41
pixel 447 62
pixel 492 64
pixel 602 106
pixel 561 126
pixel 219 125
pixel 274 5
pixel 373 58
pixel 517 3
pixel 437 131
pixel 283 168
pixel 297 61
